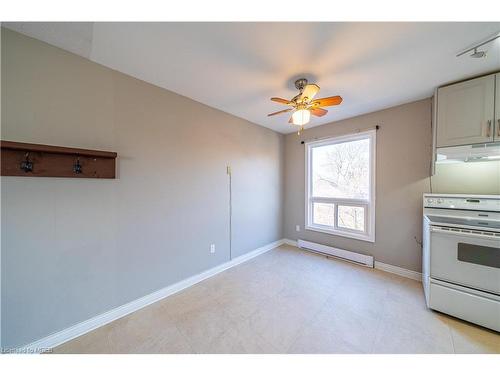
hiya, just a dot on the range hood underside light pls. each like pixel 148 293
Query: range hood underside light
pixel 470 153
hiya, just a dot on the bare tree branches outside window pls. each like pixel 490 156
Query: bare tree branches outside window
pixel 341 170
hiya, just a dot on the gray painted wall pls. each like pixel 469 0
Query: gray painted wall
pixel 402 176
pixel 74 248
pixel 403 168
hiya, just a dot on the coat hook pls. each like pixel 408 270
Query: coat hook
pixel 27 165
pixel 77 167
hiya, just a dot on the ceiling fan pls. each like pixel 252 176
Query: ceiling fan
pixel 303 104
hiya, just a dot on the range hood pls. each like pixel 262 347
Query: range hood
pixel 469 153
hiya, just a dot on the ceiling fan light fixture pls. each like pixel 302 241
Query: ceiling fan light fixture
pixel 301 117
pixel 304 105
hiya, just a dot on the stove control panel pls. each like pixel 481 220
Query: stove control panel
pixel 463 202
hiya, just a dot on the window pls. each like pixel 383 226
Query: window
pixel 340 186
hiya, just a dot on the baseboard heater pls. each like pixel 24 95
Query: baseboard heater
pixel 365 260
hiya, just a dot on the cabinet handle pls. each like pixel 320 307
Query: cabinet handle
pixel 498 128
pixel 488 129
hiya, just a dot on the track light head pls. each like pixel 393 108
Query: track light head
pixel 478 54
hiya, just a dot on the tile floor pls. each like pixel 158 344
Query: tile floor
pixel 291 301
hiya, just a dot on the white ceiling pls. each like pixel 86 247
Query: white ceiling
pixel 237 67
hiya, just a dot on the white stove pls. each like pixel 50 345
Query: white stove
pixel 461 256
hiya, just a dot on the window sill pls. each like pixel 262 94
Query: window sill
pixel 361 237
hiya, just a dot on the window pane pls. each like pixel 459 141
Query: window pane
pixel 323 214
pixel 351 217
pixel 341 170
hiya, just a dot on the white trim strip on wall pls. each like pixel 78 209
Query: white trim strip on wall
pixel 79 329
pixel 286 241
pixel 414 275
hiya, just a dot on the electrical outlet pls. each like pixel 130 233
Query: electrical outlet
pixel 212 248
pixel 297 228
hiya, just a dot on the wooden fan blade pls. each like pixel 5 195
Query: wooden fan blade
pixel 318 111
pixel 277 113
pixel 280 100
pixel 326 102
pixel 310 91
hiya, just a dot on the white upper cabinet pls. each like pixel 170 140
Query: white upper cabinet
pixel 497 110
pixel 466 112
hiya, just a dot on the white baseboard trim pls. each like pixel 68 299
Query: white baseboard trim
pixel 286 241
pixel 399 271
pixel 414 275
pixel 79 329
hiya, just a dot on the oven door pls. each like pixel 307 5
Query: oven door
pixel 465 258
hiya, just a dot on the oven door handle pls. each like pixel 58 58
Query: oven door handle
pixel 460 232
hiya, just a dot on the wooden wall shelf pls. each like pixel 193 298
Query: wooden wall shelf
pixel 35 160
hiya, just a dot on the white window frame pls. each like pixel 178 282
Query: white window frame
pixel 369 204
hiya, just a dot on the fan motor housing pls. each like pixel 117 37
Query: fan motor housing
pixel 300 84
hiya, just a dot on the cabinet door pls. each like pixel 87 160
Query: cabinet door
pixel 466 112
pixel 497 110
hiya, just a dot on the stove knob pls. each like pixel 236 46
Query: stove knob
pixel 430 200
pixel 440 200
